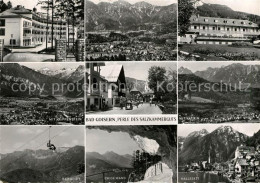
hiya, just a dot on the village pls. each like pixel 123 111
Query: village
pixel 245 167
pixel 115 46
pixel 35 111
pixel 111 92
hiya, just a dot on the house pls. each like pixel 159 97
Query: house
pixel 96 94
pixel 105 85
pixel 241 167
pixel 215 30
pixel 25 28
pixel 115 77
pixel 242 151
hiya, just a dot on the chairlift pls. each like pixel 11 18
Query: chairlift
pixel 49 144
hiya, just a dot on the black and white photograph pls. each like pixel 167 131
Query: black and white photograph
pixel 42 93
pixel 215 153
pixel 131 30
pixel 41 30
pixel 218 30
pixel 42 154
pixel 219 92
pixel 131 88
pixel 141 154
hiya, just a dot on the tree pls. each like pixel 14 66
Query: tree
pixel 9 5
pixel 185 9
pixel 156 77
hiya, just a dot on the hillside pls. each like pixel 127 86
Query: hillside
pixel 222 11
pixel 139 84
pixel 42 165
pixel 121 15
pixel 15 75
pixel 219 144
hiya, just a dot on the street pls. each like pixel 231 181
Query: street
pixel 142 109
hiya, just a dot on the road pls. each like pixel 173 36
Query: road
pixel 142 109
pixel 29 55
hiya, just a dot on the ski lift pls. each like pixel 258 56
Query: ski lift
pixel 49 144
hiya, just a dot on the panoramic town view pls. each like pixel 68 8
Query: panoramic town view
pixel 126 30
pixel 42 154
pixel 129 88
pixel 41 94
pixel 214 153
pixel 218 30
pixel 131 154
pixel 41 30
pixel 218 92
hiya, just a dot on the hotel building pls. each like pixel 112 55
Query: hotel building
pixel 213 30
pixel 22 27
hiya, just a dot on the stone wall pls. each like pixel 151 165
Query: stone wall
pixel 61 50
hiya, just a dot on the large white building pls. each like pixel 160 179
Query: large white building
pixel 214 30
pixel 22 27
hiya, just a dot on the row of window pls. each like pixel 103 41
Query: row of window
pixel 219 28
pixel 224 21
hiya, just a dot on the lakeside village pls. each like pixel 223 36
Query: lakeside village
pixel 142 45
pixel 41 111
pixel 244 168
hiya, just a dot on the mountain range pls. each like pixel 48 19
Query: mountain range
pixel 14 73
pixel 233 73
pixel 219 145
pixel 96 162
pixel 121 15
pixel 41 165
pixel 222 11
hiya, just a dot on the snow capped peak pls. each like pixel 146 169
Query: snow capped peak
pixel 200 133
pixel 148 145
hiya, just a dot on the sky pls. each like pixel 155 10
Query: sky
pixel 248 129
pixel 30 4
pixel 200 66
pixel 139 70
pixel 102 141
pixel 51 65
pixel 13 138
pixel 248 6
pixel 154 2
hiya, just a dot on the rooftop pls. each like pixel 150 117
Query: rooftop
pixel 222 21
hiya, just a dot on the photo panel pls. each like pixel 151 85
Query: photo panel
pixel 218 92
pixel 218 30
pixel 42 93
pixel 218 153
pixel 42 154
pixel 131 30
pixel 131 154
pixel 40 31
pixel 127 88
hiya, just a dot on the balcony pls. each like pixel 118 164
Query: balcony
pixel 29 35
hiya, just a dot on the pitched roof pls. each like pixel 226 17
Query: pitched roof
pixel 111 72
pixel 221 21
pixel 242 162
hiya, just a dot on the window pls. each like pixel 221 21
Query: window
pixel 234 22
pixel 95 84
pixel 225 21
pixel 2 32
pixel 2 22
pixel 244 30
pixel 206 20
pixel 242 22
pixel 204 27
pixel 195 27
pixel 214 28
pixel 235 29
pixel 218 28
pixel 227 29
pixel 215 20
pixel 12 42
